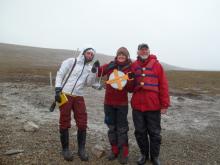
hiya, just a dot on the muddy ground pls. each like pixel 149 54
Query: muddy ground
pixel 190 129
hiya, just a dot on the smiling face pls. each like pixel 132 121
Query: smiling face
pixel 121 57
pixel 143 52
pixel 89 55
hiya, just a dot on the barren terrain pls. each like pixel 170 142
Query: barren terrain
pixel 190 129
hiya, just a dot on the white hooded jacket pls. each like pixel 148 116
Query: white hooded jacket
pixel 80 77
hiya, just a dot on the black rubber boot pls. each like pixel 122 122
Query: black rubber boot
pixel 142 159
pixel 64 138
pixel 155 160
pixel 81 138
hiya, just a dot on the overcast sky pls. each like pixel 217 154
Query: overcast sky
pixel 184 33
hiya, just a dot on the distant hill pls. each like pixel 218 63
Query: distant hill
pixel 26 56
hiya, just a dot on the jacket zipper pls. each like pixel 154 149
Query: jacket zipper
pixel 78 78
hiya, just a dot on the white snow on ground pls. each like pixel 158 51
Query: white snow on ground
pixel 31 103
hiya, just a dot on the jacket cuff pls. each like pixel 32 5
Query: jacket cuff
pixel 165 106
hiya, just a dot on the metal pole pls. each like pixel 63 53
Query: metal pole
pixel 51 83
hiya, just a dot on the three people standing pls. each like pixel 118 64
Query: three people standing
pixel 145 78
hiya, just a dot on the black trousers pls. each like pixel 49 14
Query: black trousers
pixel 147 131
pixel 116 120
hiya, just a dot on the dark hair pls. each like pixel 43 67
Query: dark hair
pixel 143 45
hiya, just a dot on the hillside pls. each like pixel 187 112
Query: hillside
pixel 45 57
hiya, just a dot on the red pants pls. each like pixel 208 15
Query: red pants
pixel 77 105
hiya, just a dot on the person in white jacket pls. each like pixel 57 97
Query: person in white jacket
pixel 73 75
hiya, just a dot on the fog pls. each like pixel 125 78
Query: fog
pixel 185 33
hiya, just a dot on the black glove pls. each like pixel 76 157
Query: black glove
pixel 95 66
pixel 94 70
pixel 131 75
pixel 57 94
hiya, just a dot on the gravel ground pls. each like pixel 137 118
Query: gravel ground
pixel 190 129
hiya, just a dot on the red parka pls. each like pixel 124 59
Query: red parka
pixel 113 96
pixel 150 91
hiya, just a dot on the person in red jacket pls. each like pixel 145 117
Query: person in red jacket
pixel 116 107
pixel 150 98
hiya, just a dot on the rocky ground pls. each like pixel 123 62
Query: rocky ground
pixel 190 129
pixel 29 132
